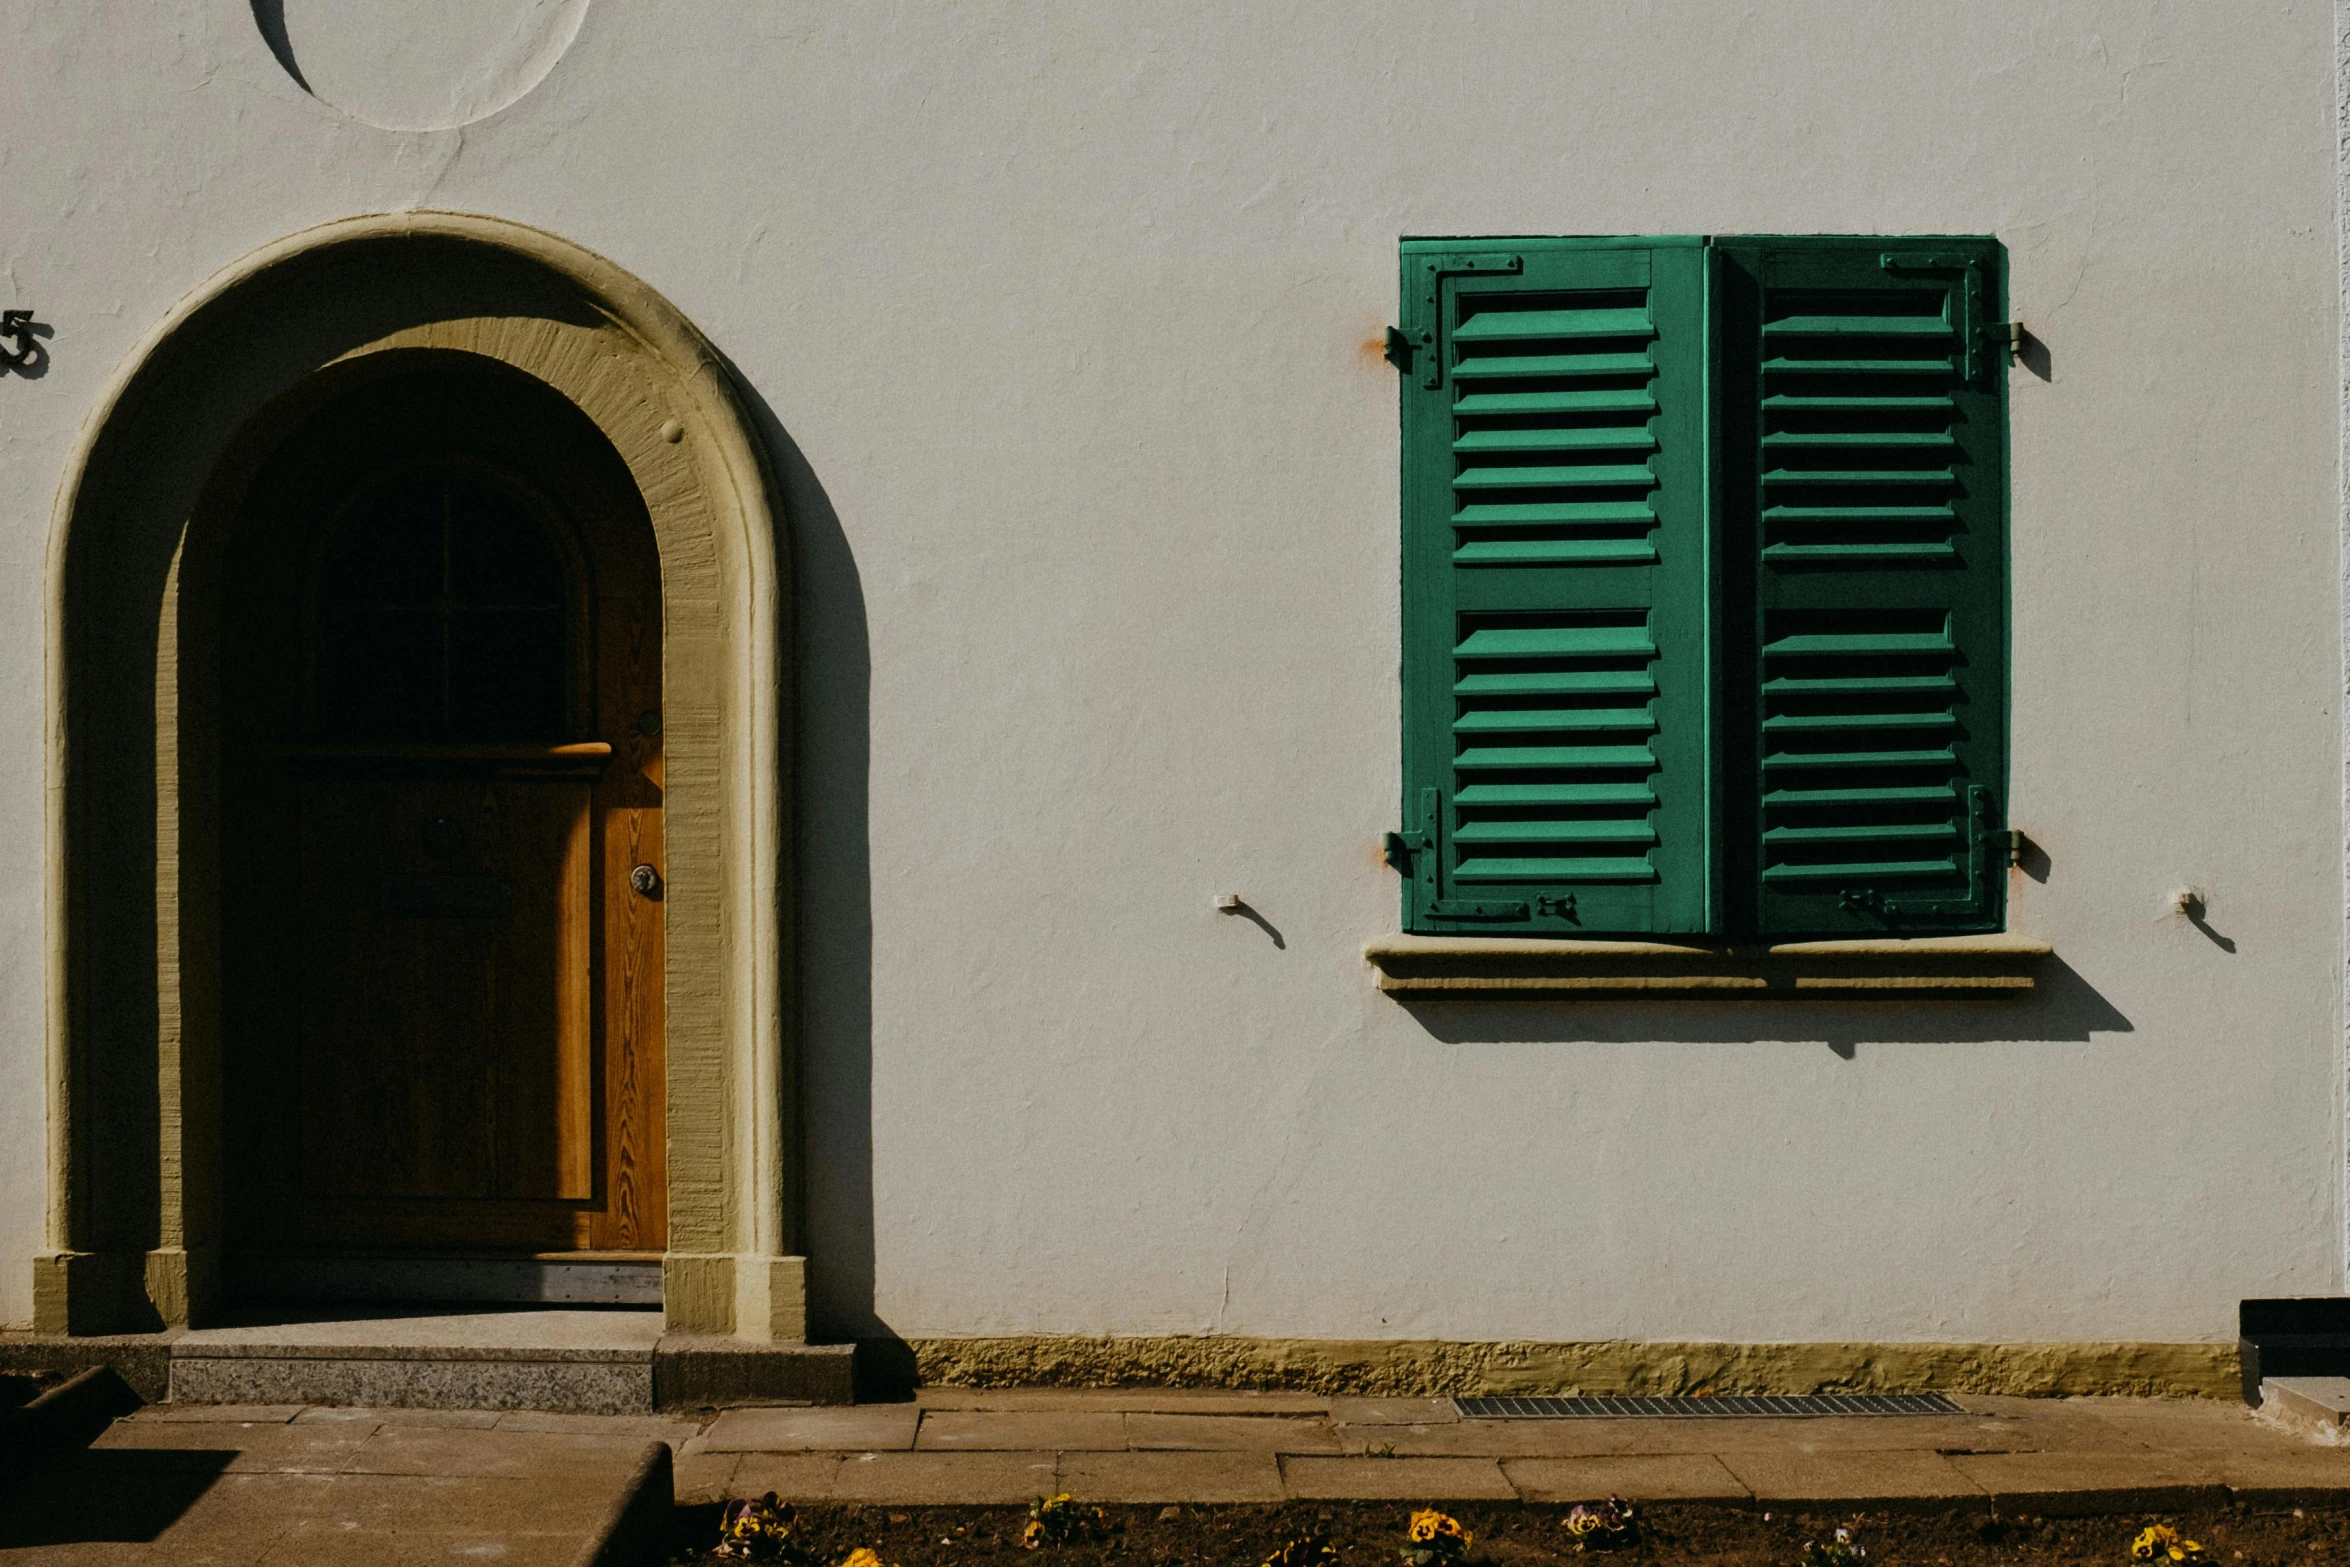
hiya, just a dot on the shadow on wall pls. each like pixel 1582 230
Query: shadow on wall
pixel 2065 1009
pixel 832 661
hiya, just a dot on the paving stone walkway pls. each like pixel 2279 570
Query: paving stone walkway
pixel 265 1486
pixel 2018 1455
pixel 261 1486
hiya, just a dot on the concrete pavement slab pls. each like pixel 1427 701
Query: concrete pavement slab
pixel 527 1504
pixel 217 1414
pixel 704 1477
pixel 793 1477
pixel 872 1428
pixel 2181 1422
pixel 412 1450
pixel 1647 1477
pixel 445 1419
pixel 308 1544
pixel 1484 1439
pixel 2309 1476
pixel 1201 1477
pixel 1151 1400
pixel 1570 1438
pixel 1859 1480
pixel 98 1510
pixel 272 1448
pixel 1392 1411
pixel 920 1478
pixel 673 1429
pixel 950 1430
pixel 1396 1479
pixel 2070 1483
pixel 1230 1433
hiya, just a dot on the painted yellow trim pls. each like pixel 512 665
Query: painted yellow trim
pixel 1430 1367
pixel 131 958
pixel 1492 966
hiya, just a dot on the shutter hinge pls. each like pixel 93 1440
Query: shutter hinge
pixel 1475 909
pixel 1436 269
pixel 1966 301
pixel 2007 337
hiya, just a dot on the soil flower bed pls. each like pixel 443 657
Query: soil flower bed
pixel 1368 1534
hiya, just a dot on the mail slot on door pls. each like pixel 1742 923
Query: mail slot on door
pixel 446 897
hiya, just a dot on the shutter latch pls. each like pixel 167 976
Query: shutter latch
pixel 1401 846
pixel 1401 345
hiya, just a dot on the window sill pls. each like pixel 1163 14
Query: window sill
pixel 1889 968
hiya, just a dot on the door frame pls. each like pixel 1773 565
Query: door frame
pixel 134 1220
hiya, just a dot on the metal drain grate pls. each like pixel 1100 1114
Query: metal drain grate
pixel 1806 1406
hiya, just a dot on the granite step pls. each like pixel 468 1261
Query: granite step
pixel 590 1362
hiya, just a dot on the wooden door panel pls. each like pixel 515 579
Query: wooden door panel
pixel 431 1044
pixel 446 1033
pixel 635 1142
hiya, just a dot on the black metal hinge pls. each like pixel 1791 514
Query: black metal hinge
pixel 1434 270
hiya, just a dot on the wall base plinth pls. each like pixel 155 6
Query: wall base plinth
pixel 1441 1368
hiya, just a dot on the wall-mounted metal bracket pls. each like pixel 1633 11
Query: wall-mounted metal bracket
pixel 1400 847
pixel 1401 345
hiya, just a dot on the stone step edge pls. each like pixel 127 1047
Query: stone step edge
pixel 421 1353
pixel 2314 1407
pixel 680 1372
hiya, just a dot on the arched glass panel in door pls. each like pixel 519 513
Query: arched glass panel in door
pixel 440 614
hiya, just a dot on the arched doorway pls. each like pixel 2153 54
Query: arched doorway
pixel 441 868
pixel 165 614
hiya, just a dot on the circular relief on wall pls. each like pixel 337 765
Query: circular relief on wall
pixel 418 65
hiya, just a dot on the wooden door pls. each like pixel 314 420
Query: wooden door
pixel 442 873
pixel 446 1020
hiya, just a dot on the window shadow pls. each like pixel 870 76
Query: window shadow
pixel 2064 1009
pixel 832 677
pixel 114 1496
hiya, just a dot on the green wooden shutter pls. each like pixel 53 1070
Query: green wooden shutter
pixel 1555 578
pixel 1862 429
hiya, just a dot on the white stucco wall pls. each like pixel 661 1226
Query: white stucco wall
pixel 1070 311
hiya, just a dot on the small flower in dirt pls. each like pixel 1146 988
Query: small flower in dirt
pixel 1059 1520
pixel 758 1531
pixel 1601 1526
pixel 1840 1551
pixel 1435 1540
pixel 1307 1550
pixel 865 1556
pixel 2160 1542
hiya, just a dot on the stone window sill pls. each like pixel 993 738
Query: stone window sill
pixel 1892 968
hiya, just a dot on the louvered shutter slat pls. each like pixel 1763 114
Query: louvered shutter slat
pixel 1554 529
pixel 1865 551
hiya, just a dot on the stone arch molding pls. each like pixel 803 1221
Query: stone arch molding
pixel 134 1222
